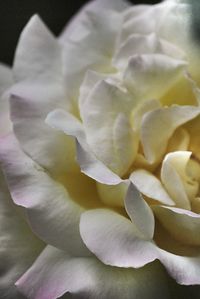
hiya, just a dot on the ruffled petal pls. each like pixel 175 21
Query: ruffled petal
pixel 55 272
pixel 52 214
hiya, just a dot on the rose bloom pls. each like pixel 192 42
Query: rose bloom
pixel 100 157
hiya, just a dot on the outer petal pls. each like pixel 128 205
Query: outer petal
pixel 105 116
pixel 38 54
pixel 55 272
pixel 51 212
pixel 19 247
pixel 115 240
pixel 159 125
pixel 38 61
pixel 98 5
pixel 30 105
pixel 89 164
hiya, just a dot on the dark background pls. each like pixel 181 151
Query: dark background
pixel 14 14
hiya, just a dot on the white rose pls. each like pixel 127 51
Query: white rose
pixel 104 157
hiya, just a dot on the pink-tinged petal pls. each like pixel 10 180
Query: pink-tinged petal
pixel 90 165
pixel 52 214
pixel 139 212
pixel 115 240
pixel 159 125
pixel 183 225
pixel 5 82
pixel 38 54
pixel 150 186
pixel 19 246
pixel 55 273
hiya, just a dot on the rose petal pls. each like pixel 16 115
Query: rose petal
pixel 159 125
pixel 38 54
pixel 144 44
pixel 109 134
pixel 55 272
pixel 41 91
pixel 150 186
pixel 90 165
pixel 146 68
pixel 172 172
pixel 183 225
pixel 139 212
pixel 115 240
pixel 52 214
pixel 94 35
pixel 15 255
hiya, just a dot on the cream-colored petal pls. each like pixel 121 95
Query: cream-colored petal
pixel 38 54
pixel 159 125
pixel 173 176
pixel 150 186
pixel 179 141
pixel 182 225
pixel 142 75
pixel 105 116
pixel 89 164
pixel 112 195
pixel 139 212
pixel 140 110
pixel 144 44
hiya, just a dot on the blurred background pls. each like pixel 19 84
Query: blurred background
pixel 14 14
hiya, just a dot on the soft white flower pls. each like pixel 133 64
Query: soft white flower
pixel 102 156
